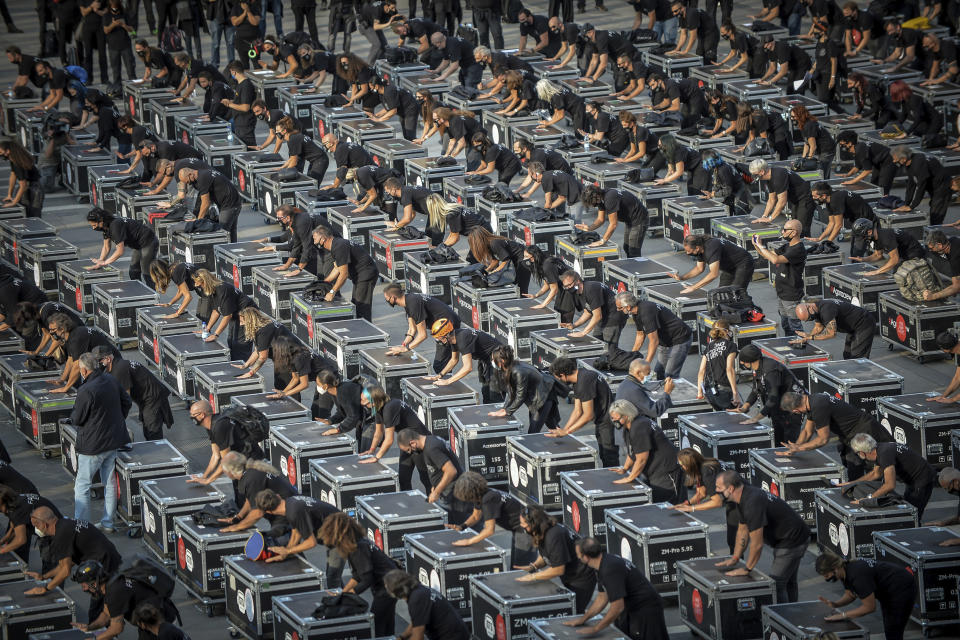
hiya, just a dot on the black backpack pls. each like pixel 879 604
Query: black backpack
pixel 732 304
pixel 252 426
pixel 150 573
pixel 399 55
pixel 341 605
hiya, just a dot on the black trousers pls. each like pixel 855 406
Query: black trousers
pixel 633 237
pixel 65 25
pixel 384 610
pixel 140 260
pixel 547 416
pixel 363 298
pixel 154 415
pixel 859 343
pixel 90 40
pixel 582 592
pixel 124 56
pixel 301 13
pixel 739 278
pixel 405 471
pixel 897 615
pixel 228 220
pixel 487 22
pixel 919 497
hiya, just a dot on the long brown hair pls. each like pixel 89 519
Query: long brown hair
pixel 253 320
pixel 742 123
pixel 429 105
pixel 479 241
pixel 693 462
pixel 341 532
pixel 445 113
pixel 160 273
pixel 18 154
pixel 540 522
pixel 802 115
pixel 288 124
pixel 355 64
pixel 513 80
pixel 206 282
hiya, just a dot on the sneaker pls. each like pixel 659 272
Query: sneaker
pixel 106 528
pixel 12 28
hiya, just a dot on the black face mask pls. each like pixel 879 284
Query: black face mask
pixel 197 421
pixel 141 54
pixel 831 579
pixel 262 116
pixel 392 303
pixel 527 263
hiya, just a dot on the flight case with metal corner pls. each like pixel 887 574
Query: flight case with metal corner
pixel 200 553
pixel 339 481
pixel 293 445
pixel 293 618
pixel 924 426
pixel 115 305
pixel 535 462
pixel 716 606
pixel 859 382
pixel 720 435
pixel 502 607
pixel 479 440
pixel 162 499
pixel 342 341
pixel 152 326
pixel 805 621
pixel 550 344
pixel 795 478
pixel 846 529
pixel 914 326
pixel 431 401
pixel 388 517
pixel 389 371
pixel 217 383
pixel 586 495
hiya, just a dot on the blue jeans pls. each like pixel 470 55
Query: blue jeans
pixel 793 26
pixel 670 360
pixel 277 7
pixel 124 148
pixel 87 466
pixel 216 30
pixel 788 318
pixel 666 30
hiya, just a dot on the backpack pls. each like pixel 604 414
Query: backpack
pixel 913 277
pixel 732 304
pixel 890 202
pixel 252 426
pixel 296 39
pixel 538 214
pixel 580 238
pixel 399 55
pixel 150 573
pixel 616 360
pixel 171 39
pixel 341 605
pixel 643 174
pixel 469 33
pixel 77 73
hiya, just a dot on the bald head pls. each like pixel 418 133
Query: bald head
pixel 793 225
pixel 187 175
pixel 555 23
pixel 330 141
pixel 805 310
pixel 201 412
pixel 639 369
pixel 43 514
pixel 438 40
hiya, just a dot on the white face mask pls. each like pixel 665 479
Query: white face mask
pixel 321 390
pixel 650 377
pixel 39 533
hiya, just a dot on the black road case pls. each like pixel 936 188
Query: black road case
pixel 584 259
pixel 720 607
pixel 805 621
pixel 235 262
pixel 847 282
pixel 388 517
pixel 586 495
pixel 162 499
pixel 441 565
pixel 342 340
pixel 549 344
pixel 794 356
pixel 554 629
pixel 152 326
pixel 198 249
pixel 431 278
pixel 115 307
pixel 356 226
pixel 795 478
pixel 294 444
pixel 217 383
pixel 685 402
pixel 200 553
pixel 293 618
pixel 14 231
pixel 146 460
pixel 473 305
pixel 922 425
pixel 503 607
pixel 39 258
pixel 22 616
pixel 656 538
pixel 846 529
pixel 339 481
pixel 634 274
pixel 272 291
pixel 479 440
pixel 859 382
pixel 388 249
pixel 394 153
pixel 687 215
pixel 535 462
pixel 179 355
pixel 720 435
pixel 389 371
pixel 39 411
pixel 914 326
pixel 512 321
pixel 13 370
pixel 431 401
pixel 307 315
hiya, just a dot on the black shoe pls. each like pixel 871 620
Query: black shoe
pixel 600 7
pixel 12 28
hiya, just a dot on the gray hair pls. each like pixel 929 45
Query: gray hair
pixel 863 443
pixel 481 52
pixel 758 166
pixel 948 475
pixel 901 152
pixel 546 89
pixel 627 299
pixel 235 463
pixel 638 365
pixel 624 408
pixel 88 362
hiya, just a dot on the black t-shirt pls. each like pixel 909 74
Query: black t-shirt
pixel 311 363
pixel 825 142
pixel 351 156
pixel 870 156
pixel 501 507
pixel 227 435
pixel 24 506
pixel 646 437
pixel 897 239
pixel 228 300
pixel 553 268
pixel 463 222
pixel 123 595
pixel 911 468
pixel 14 291
pixel 888 582
pixel 374 177
pixel 81 541
pixel 303 146
pixel 368 566
pixel 246 94
pixel 504 160
pixel 716 355
pixel 83 339
pixel 400 99
pixel 849 205
pixel 480 345
pixel 360 265
pixel 785 180
pixel 169 631
pixel 131 233
pixel 730 256
pixel 561 184
pixel 462 127
pixel 253 482
pixel 550 159
pixel 118 38
pixel 597 295
pixel 620 579
pixel 797 59
pixel 306 514
pixel 849 317
pixel 27 175
pixel 266 334
pixel 397 415
pixel 144 387
pixel 558 549
pixel 782 526
pixel 844 420
pixel 221 191
pixel 953 258
pixel 459 50
pixel 506 250
pixel 416 196
pixel 700 21
pixel 176 150
pixel 427 309
pixel 436 453
pixel 430 610
pixel 15 480
pixel 590 386
pixel 245 31
pixel 670 329
pixel 789 275
pixel 628 208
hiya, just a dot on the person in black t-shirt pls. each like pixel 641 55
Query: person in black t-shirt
pixel 368 567
pixel 720 258
pixel 301 148
pixel 158 67
pixel 442 465
pixel 891 462
pixel 831 316
pixel 272 118
pixel 786 60
pixel 891 585
pixel 696 27
pixel 17 507
pixel 431 615
pixel 843 209
pixel 826 414
pixel 717 376
pixel 117 29
pixel 214 95
pixel 667 336
pixel 120 596
pixel 15 291
pixel 701 473
pixel 649 453
pixel 374 17
pixel 306 516
pixel 948 250
pixel 467 345
pixel 494 157
pixel 25 176
pixel 617 205
pixel 245 19
pixel 191 68
pixel 771 380
pixel 422 312
pixel 870 159
pixel 392 416
pixel 925 175
pixel 561 190
pixel 896 244
pixel 598 302
pixel 252 477
pixel 145 389
pixel 457 55
pixel 817 141
pixel 281 52
pixel 76 340
pixel 349 261
pixel 149 619
pixel 244 121
pixel 215 188
pixel 12 478
pixel 784 187
pixel 788 262
pixel 493 508
pixel 399 102
pixel 537 28
pixel 224 435
pixel 496 252
pixel 765 519
pixel 592 400
pixel 348 413
pixel 633 603
pixel 558 556
pixel 123 233
pixel 228 302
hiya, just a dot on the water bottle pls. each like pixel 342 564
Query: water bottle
pixel 230 137
pixel 10 90
pixel 586 143
pixel 203 332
